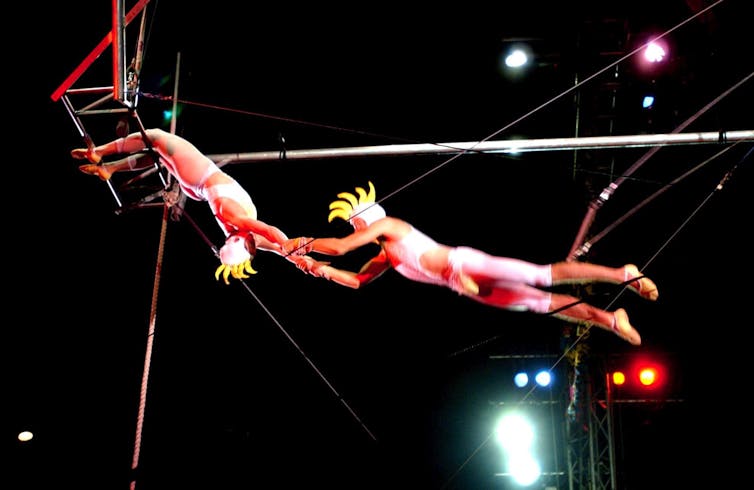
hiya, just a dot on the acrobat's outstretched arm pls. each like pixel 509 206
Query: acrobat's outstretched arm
pixel 359 238
pixel 370 271
pixel 235 218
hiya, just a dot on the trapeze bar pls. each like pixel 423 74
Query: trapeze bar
pixel 102 111
pixel 498 146
pixel 91 90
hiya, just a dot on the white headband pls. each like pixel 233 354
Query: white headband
pixel 369 212
pixel 235 258
pixel 234 251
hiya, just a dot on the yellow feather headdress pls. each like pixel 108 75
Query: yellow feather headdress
pixel 235 258
pixel 361 204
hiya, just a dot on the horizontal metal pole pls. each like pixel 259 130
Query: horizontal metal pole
pixel 497 146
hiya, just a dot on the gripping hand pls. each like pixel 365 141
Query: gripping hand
pixel 298 246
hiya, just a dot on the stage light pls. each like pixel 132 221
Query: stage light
pixel 516 58
pixel 653 57
pixel 515 432
pixel 524 469
pixel 645 376
pixel 648 376
pixel 543 378
pixel 25 436
pixel 654 52
pixel 516 435
pixel 521 379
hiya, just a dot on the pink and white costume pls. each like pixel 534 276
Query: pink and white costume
pixel 514 282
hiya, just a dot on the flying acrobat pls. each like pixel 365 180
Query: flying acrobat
pixel 501 282
pixel 202 180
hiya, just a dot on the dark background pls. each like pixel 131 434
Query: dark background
pixel 284 383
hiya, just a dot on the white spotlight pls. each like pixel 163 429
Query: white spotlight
pixel 516 58
pixel 543 378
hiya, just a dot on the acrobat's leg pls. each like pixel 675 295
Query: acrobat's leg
pixel 571 309
pixel 484 268
pixel 137 161
pixel 582 272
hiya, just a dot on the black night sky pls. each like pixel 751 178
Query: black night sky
pixel 291 380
